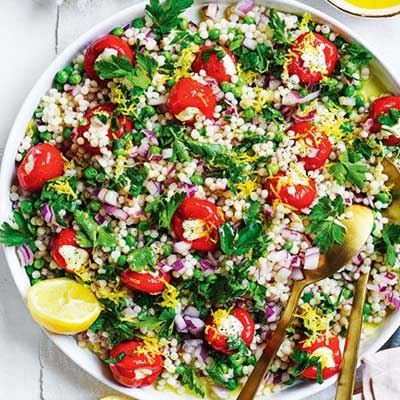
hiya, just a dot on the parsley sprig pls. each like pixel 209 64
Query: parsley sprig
pixel 23 234
pixel 325 224
pixel 350 168
pixel 139 75
pixel 277 24
pixel 190 379
pixel 303 361
pixel 387 244
pixel 165 16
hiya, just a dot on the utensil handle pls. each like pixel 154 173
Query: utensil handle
pixel 250 388
pixel 346 380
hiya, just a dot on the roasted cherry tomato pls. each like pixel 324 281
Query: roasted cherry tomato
pixel 284 188
pixel 190 98
pixel 305 64
pixel 315 142
pixel 97 47
pixel 137 367
pixel 107 109
pixel 330 356
pixel 222 325
pixel 380 107
pixel 145 282
pixel 196 221
pixel 218 62
pixel 67 237
pixel 40 164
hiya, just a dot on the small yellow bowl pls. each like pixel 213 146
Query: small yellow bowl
pixel 368 8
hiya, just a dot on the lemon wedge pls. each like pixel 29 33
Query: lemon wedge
pixel 63 305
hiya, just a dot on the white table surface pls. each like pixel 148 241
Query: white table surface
pixel 31 34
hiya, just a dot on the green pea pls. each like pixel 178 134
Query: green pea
pixel 236 359
pixel 119 152
pixel 130 241
pixel 248 113
pixel 61 77
pixel 143 225
pixel 38 263
pixel 30 269
pixel 38 112
pixel 360 101
pixel 351 69
pixel 238 371
pixel 307 297
pixel 237 91
pixel 170 82
pixel 197 179
pixel 118 31
pixel 251 360
pixel 248 20
pixel 288 246
pixel 214 34
pixel 139 126
pixel 75 78
pixel 69 69
pixel 273 168
pixel 224 368
pixel 149 110
pixel 155 150
pixel 197 274
pixel 138 23
pixel 232 384
pixel 45 136
pixel 26 206
pixel 101 177
pixel 349 91
pixel 198 39
pixel 67 133
pixel 357 84
pixel 226 87
pixel 347 294
pixel 94 205
pixel 166 55
pixel 121 261
pixel 183 24
pixel 90 172
pixel 383 197
pixel 167 250
pixel 367 309
pixel 35 281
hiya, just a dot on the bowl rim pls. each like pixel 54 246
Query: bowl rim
pixel 67 344
pixel 352 9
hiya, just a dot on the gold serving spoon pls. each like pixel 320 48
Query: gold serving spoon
pixel 358 228
pixel 346 380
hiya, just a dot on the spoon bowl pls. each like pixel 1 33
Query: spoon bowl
pixel 358 225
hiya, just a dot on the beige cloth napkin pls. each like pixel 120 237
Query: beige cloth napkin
pixel 381 375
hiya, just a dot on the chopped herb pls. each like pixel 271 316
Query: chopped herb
pixel 390 238
pixel 23 234
pixel 358 54
pixel 190 379
pixel 279 27
pixel 303 361
pixel 350 168
pixel 115 360
pixel 166 16
pixel 325 224
pixel 140 259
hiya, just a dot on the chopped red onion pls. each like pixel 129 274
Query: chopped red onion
pixel 115 212
pixel 245 6
pixel 178 265
pixel 307 117
pixel 393 299
pixel 193 343
pixel 153 187
pixel 212 259
pixel 358 259
pixel 294 98
pixel 296 262
pixel 189 189
pixel 368 124
pixel 206 265
pixel 273 312
pixel 151 136
pixel 194 325
pixel 167 153
pixel 25 255
pixel 108 196
pixel 297 274
pixel 180 324
pixel 191 311
pixel 390 278
pixel 100 219
pixel 171 170
pixel 291 235
pixel 278 256
pixel 144 148
pixel 203 352
pixel 155 157
pixel 311 258
pixel 47 214
pixel 181 247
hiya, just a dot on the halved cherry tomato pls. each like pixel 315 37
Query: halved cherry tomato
pixel 219 340
pixel 220 68
pixel 124 125
pixel 67 237
pixel 329 352
pixel 313 139
pixel 297 67
pixel 145 282
pixel 40 164
pixel 98 46
pixel 202 219
pixel 296 195
pixel 382 106
pixel 136 368
pixel 189 98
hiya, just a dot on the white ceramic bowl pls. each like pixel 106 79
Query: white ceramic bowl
pixel 84 358
pixel 349 8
